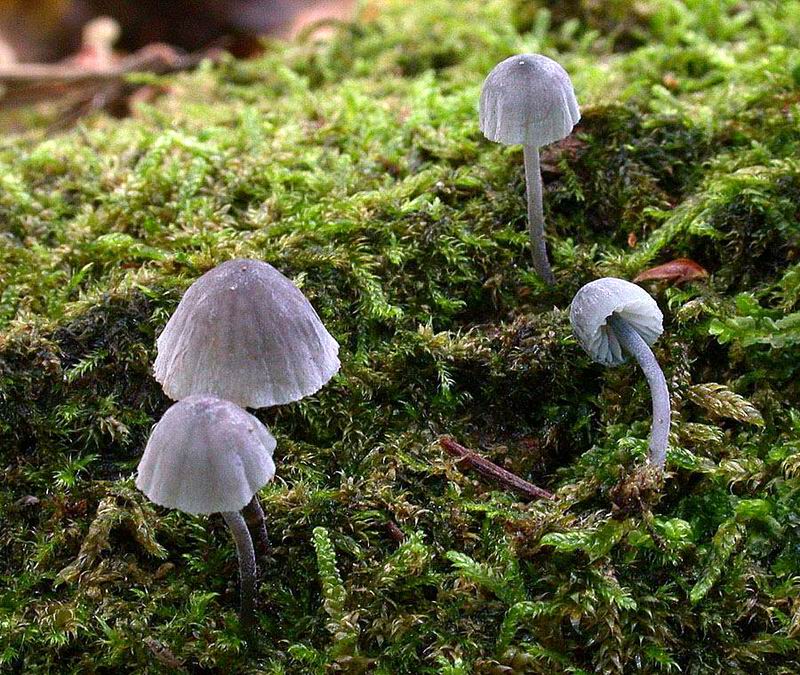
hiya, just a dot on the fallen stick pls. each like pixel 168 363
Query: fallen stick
pixel 491 471
pixel 155 58
pixel 26 83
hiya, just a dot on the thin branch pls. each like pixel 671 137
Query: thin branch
pixel 26 83
pixel 155 58
pixel 490 470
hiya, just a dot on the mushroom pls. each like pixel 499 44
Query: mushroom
pixel 97 44
pixel 611 315
pixel 528 99
pixel 206 456
pixel 245 333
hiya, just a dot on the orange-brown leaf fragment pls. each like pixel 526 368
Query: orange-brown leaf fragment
pixel 677 271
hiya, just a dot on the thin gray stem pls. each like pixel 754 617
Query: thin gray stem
pixel 635 345
pixel 254 517
pixel 533 187
pixel 247 567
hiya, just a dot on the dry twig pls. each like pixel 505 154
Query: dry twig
pixel 490 470
pixel 88 89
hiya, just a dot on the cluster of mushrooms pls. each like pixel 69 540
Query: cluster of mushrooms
pixel 528 100
pixel 243 336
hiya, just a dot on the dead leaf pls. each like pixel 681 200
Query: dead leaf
pixel 676 271
pixel 670 81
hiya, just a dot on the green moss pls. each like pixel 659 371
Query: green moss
pixel 356 167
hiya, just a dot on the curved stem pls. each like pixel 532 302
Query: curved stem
pixel 247 567
pixel 533 187
pixel 635 345
pixel 254 517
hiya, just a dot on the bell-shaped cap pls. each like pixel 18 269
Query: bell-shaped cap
pixel 245 333
pixel 206 455
pixel 595 302
pixel 528 99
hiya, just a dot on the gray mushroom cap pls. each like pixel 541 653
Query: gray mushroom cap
pixel 595 302
pixel 245 333
pixel 528 99
pixel 206 455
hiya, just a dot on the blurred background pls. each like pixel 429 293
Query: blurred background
pixel 47 31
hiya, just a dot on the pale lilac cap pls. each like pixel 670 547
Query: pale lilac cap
pixel 595 302
pixel 245 333
pixel 528 99
pixel 206 455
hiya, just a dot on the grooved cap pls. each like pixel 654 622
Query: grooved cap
pixel 528 99
pixel 206 455
pixel 595 302
pixel 245 333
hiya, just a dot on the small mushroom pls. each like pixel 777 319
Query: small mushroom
pixel 206 456
pixel 610 316
pixel 245 333
pixel 97 44
pixel 528 99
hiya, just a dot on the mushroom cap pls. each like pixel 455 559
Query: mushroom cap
pixel 595 302
pixel 206 455
pixel 245 333
pixel 102 31
pixel 527 99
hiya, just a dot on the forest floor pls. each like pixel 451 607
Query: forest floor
pixel 355 166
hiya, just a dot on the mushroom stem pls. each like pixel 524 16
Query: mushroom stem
pixel 247 567
pixel 533 188
pixel 634 344
pixel 254 517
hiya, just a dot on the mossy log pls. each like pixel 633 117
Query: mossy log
pixel 355 166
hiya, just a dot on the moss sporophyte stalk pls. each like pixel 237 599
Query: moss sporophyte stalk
pixel 357 168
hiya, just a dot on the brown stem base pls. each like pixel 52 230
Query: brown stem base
pixel 254 517
pixel 247 569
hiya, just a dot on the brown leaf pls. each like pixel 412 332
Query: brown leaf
pixel 676 271
pixel 670 81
